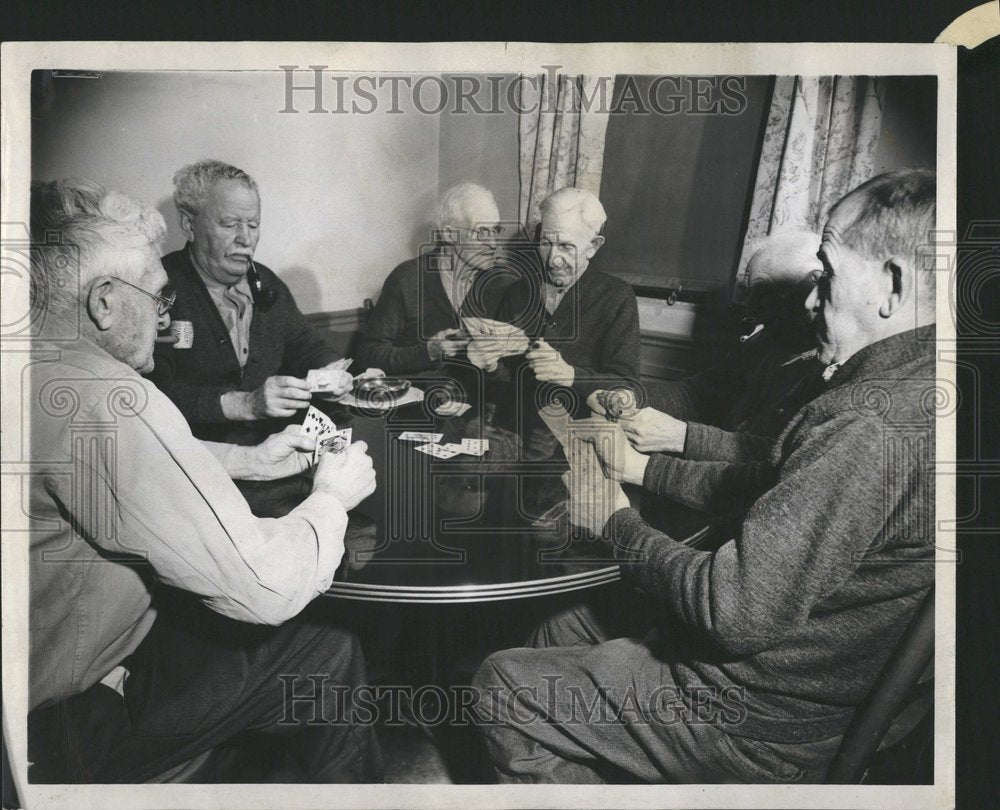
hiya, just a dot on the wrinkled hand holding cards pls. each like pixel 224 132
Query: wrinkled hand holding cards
pixel 324 380
pixel 328 438
pixel 490 340
pixel 617 404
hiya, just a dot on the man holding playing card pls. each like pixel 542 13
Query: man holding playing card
pixel 417 321
pixel 583 324
pixel 252 348
pixel 164 616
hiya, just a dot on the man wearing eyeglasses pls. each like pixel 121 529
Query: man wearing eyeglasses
pixel 416 324
pixel 163 614
pixel 252 346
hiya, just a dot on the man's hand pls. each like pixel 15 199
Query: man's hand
pixel 342 380
pixel 592 501
pixel 621 402
pixel 348 476
pixel 282 454
pixel 342 364
pixel 618 458
pixel 278 397
pixel 446 343
pixel 548 364
pixel 652 431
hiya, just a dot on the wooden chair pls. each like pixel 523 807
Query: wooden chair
pixel 892 693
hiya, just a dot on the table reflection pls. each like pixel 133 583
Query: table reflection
pixel 465 528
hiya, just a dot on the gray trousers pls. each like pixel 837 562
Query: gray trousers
pixel 581 709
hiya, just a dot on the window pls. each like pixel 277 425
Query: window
pixel 679 166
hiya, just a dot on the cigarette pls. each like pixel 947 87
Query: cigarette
pixel 167 339
pixel 756 331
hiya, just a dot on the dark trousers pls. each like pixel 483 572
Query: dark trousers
pixel 198 681
pixel 580 709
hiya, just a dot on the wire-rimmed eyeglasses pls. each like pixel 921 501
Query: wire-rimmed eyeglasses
pixel 163 302
pixel 486 233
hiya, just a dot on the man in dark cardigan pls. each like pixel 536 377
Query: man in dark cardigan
pixel 242 378
pixel 416 325
pixel 583 324
pixel 252 346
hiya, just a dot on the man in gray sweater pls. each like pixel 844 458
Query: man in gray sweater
pixel 762 650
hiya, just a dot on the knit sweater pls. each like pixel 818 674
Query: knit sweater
pixel 281 342
pixel 595 327
pixel 413 307
pixel 736 407
pixel 801 609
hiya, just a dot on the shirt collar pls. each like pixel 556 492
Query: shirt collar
pixel 218 290
pixel 885 355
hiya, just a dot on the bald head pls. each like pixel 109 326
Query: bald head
pixel 572 219
pixel 784 258
pixel 780 275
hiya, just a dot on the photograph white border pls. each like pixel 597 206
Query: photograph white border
pixel 19 59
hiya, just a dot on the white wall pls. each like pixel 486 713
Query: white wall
pixel 344 197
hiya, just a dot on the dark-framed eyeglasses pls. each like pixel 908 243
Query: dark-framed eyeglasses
pixel 163 302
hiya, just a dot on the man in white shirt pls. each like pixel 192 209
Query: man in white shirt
pixel 128 501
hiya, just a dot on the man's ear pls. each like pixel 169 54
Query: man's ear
pixel 898 282
pixel 101 303
pixel 449 234
pixel 187 224
pixel 595 245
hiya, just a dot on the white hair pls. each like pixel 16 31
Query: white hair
pixel 787 256
pixel 452 210
pixel 572 200
pixel 193 182
pixel 78 232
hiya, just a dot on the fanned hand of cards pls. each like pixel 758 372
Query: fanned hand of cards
pixel 328 438
pixel 490 340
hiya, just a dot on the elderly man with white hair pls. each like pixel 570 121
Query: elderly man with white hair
pixel 731 411
pixel 252 346
pixel 133 514
pixel 584 324
pixel 417 322
pixel 763 649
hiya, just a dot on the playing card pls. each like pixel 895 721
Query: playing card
pixel 452 408
pixel 437 450
pixel 474 447
pixel 414 436
pixel 336 441
pixel 551 515
pixel 317 422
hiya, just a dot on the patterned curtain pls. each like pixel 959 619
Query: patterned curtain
pixel 561 138
pixel 820 142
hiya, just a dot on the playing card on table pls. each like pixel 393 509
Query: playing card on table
pixel 474 447
pixel 336 441
pixel 437 450
pixel 452 408
pixel 414 436
pixel 317 422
